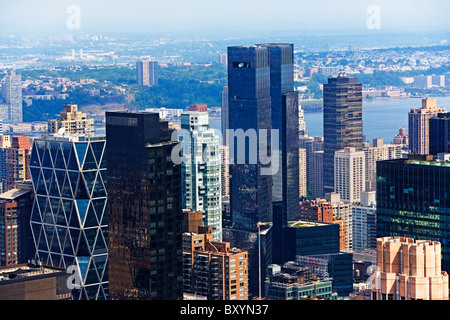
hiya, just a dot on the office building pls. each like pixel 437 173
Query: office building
pixel 12 93
pixel 214 269
pixel 314 164
pixel 31 281
pixel 342 211
pixel 16 241
pixel 68 220
pixel 147 72
pixel 144 208
pixel 316 210
pixel 342 121
pixel 409 269
pixel 223 59
pixel 418 125
pixel 349 174
pixel 439 133
pixel 71 121
pixel 301 122
pixel 198 108
pixel 412 200
pixel 14 160
pixel 401 137
pixel 201 169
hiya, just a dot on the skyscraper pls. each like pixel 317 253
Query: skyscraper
pixel 285 119
pixel 439 135
pixel 342 121
pixel 250 189
pixel 201 170
pixel 147 72
pixel 144 208
pixel 412 200
pixel 68 220
pixel 418 125
pixel 15 162
pixel 12 93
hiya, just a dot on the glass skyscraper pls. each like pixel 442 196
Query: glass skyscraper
pixel 413 201
pixel 342 121
pixel 144 208
pixel 68 220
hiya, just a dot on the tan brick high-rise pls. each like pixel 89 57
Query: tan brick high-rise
pixel 409 270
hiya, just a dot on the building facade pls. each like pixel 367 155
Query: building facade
pixel 147 72
pixel 14 160
pixel 201 169
pixel 439 135
pixel 418 125
pixel 343 125
pixel 349 174
pixel 71 121
pixel 12 93
pixel 144 208
pixel 68 220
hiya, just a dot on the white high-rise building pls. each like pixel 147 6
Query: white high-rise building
pixel 147 73
pixel 12 93
pixel 364 218
pixel 342 211
pixel 349 174
pixel 201 169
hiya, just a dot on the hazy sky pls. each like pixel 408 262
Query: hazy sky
pixel 211 16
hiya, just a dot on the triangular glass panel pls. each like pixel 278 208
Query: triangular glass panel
pixel 54 190
pixel 101 294
pixel 40 189
pixel 43 257
pixel 89 177
pixel 73 178
pixel 59 161
pixel 92 276
pixel 100 245
pixel 35 215
pixel 40 147
pixel 47 215
pixel 82 206
pixel 66 207
pixel 55 245
pixel 100 264
pixel 103 174
pixel 34 160
pixel 74 220
pixel 53 148
pixel 47 177
pixel 99 188
pixel 42 244
pixel 81 192
pixel 89 162
pixel 72 163
pixel 35 176
pixel 55 204
pixel 97 148
pixel 66 190
pixel 104 231
pixel 91 219
pixel 59 177
pixel 83 262
pixel 81 151
pixel 47 161
pixel 36 230
pixel 83 247
pixel 91 292
pixel 62 236
pixel 74 236
pixel 91 235
pixel 66 148
pixel 99 205
pixel 56 260
pixel 77 294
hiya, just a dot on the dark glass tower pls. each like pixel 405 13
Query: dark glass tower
pixel 145 213
pixel 342 121
pixel 284 105
pixel 440 133
pixel 413 201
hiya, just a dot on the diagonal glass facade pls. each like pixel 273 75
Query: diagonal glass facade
pixel 69 221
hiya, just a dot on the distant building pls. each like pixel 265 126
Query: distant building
pixel 302 185
pixel 317 210
pixel 364 220
pixel 309 72
pixel 198 107
pixel 314 164
pixel 213 269
pixel 409 269
pixel 72 121
pixel 225 172
pixel 423 82
pixel 147 73
pixel 418 125
pixel 342 211
pixel 225 122
pixel 12 93
pixel 401 137
pixel 223 59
